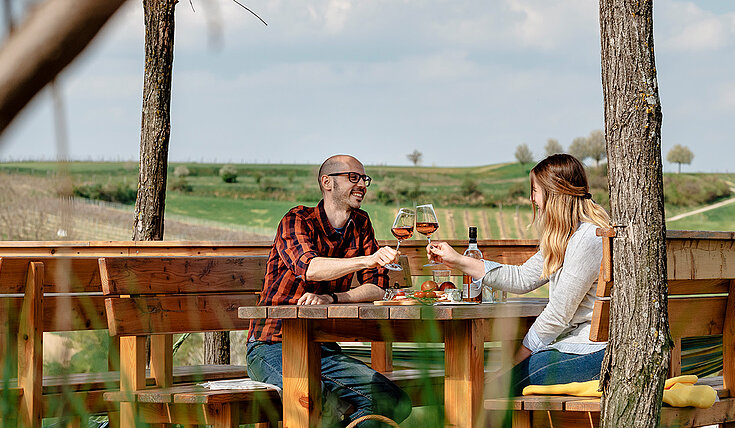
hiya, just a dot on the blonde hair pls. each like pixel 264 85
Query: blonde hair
pixel 567 202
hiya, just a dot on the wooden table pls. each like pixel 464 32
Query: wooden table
pixel 462 328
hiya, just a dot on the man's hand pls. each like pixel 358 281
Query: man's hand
pixel 382 257
pixel 314 299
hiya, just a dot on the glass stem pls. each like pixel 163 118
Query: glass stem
pixel 399 245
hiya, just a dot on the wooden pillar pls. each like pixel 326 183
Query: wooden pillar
pixel 464 372
pixel 675 361
pixel 381 356
pixel 132 376
pixel 30 348
pixel 162 346
pixel 728 341
pixel 301 376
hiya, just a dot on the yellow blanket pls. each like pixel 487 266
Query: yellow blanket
pixel 679 391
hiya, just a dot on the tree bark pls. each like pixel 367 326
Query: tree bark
pixel 155 130
pixel 43 45
pixel 636 361
pixel 217 347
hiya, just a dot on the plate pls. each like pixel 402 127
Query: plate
pixel 456 303
pixel 404 302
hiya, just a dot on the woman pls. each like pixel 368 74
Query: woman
pixel 556 348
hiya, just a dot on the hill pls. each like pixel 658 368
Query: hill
pixel 200 203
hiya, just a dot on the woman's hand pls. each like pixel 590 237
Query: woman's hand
pixel 443 253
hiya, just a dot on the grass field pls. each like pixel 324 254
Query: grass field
pixel 492 197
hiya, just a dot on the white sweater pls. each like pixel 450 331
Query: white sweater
pixel 565 322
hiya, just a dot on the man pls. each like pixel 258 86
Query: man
pixel 315 254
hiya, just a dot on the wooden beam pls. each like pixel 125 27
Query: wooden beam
pixel 30 346
pixel 465 375
pixel 728 342
pixel 41 47
pixel 301 375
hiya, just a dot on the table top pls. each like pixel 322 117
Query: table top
pixel 513 308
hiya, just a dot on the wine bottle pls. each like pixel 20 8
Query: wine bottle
pixel 472 292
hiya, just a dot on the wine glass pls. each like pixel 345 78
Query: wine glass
pixel 402 229
pixel 426 224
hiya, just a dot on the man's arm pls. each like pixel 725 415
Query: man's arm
pixel 363 293
pixel 327 268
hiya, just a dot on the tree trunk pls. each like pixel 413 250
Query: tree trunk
pixel 217 347
pixel 156 122
pixel 55 32
pixel 637 356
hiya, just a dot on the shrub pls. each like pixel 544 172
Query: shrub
pixel 180 185
pixel 470 188
pixel 228 174
pixel 181 171
pixel 119 193
pixel 691 190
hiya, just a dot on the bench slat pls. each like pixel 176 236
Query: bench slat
pixel 149 275
pixel 62 275
pixel 688 317
pixel 139 316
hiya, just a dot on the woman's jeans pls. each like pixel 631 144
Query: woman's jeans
pixel 342 376
pixel 548 368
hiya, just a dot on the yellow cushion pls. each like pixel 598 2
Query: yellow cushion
pixel 679 391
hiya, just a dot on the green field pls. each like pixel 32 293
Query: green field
pixel 492 197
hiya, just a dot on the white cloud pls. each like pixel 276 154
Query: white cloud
pixel 690 28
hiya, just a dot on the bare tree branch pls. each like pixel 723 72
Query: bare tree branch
pixel 248 9
pixel 42 46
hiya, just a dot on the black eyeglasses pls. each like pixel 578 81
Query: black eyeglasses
pixel 354 177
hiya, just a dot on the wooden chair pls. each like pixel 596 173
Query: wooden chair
pixel 701 270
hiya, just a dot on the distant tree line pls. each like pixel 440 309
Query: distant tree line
pixel 593 147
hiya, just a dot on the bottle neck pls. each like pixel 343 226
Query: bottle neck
pixel 473 245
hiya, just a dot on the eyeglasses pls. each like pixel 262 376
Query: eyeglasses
pixel 354 177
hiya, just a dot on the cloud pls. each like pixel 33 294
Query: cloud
pixel 691 29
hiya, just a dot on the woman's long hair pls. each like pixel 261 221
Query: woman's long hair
pixel 567 202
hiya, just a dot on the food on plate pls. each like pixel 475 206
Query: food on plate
pixel 446 284
pixel 428 285
pixel 419 294
pixel 430 294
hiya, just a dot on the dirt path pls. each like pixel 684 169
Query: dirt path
pixel 704 209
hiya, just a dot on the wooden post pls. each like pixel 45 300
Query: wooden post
pixel 381 356
pixel 162 359
pixel 301 375
pixel 728 341
pixel 132 375
pixel 464 372
pixel 675 362
pixel 30 347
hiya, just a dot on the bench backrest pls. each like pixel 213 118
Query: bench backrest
pixel 701 294
pixel 185 294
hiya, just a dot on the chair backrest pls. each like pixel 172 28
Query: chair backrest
pixel 701 288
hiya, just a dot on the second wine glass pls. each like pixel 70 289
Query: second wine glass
pixel 402 229
pixel 426 224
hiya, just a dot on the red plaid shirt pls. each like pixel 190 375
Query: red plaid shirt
pixel 305 233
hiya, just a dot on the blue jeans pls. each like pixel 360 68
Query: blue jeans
pixel 549 368
pixel 342 376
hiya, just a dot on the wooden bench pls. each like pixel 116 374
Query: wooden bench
pixel 60 294
pixel 163 296
pixel 701 280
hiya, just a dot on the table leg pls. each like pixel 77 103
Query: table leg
pixel 302 401
pixel 464 372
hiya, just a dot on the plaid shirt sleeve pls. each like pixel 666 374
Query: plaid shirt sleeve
pixel 295 245
pixel 377 276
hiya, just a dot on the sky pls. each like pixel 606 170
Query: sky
pixel 462 81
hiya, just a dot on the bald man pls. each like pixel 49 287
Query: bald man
pixel 316 252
